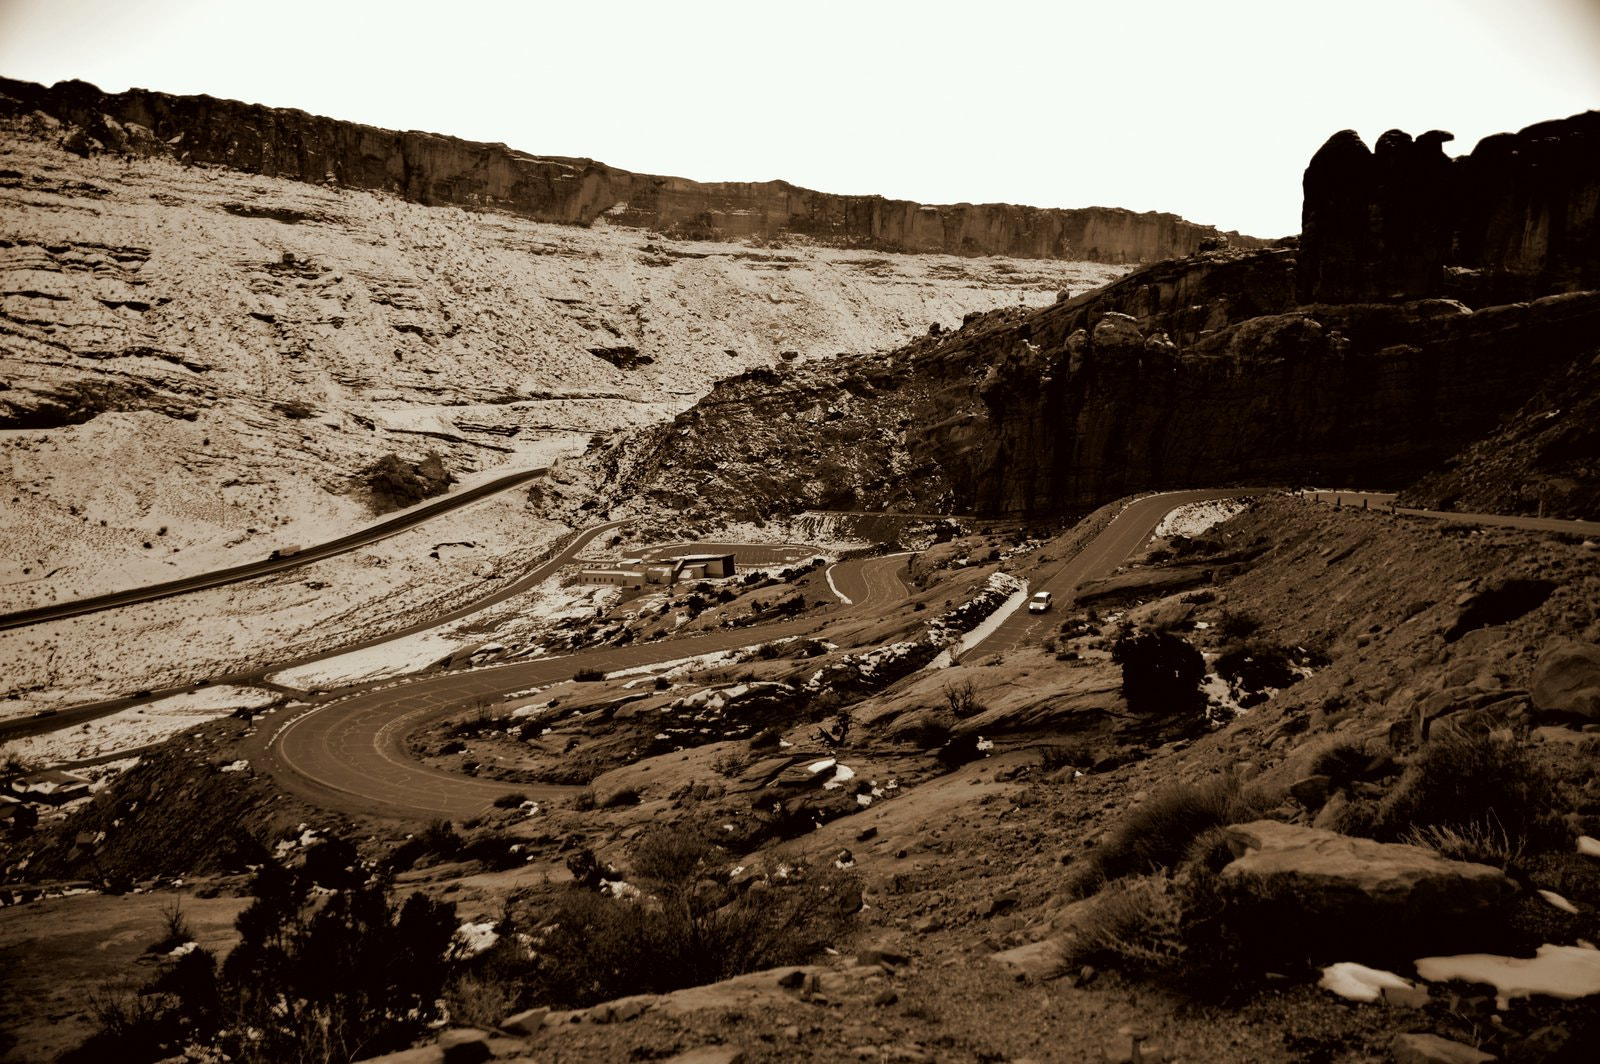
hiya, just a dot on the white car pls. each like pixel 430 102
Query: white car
pixel 1040 602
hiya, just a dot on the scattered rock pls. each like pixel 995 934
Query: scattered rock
pixel 1035 962
pixel 1566 680
pixel 1431 1049
pixel 526 1023
pixel 1329 888
pixel 1311 792
pixel 709 1055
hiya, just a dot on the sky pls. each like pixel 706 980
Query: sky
pixel 1209 109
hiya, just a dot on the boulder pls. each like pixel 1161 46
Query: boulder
pixel 1431 1049
pixel 1566 680
pixel 1318 889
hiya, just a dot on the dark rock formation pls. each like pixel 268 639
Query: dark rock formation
pixel 1515 219
pixel 1187 374
pixel 435 169
pixel 1542 461
pixel 394 483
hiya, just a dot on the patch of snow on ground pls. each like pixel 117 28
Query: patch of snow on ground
pixel 1197 517
pixel 990 625
pixel 1357 982
pixel 472 939
pixel 396 657
pixel 1563 972
pixel 139 726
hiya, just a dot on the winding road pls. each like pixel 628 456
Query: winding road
pixel 1120 540
pixel 351 754
pixel 410 518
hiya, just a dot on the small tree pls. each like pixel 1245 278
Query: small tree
pixel 1161 673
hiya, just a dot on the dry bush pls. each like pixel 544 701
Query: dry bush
pixel 1465 782
pixel 687 928
pixel 1481 842
pixel 1160 833
pixel 1135 927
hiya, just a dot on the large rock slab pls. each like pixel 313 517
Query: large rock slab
pixel 1334 889
pixel 1566 679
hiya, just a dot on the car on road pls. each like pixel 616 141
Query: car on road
pixel 1040 603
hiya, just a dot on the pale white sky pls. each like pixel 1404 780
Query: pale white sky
pixel 1206 108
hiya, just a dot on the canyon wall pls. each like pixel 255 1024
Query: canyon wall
pixel 433 169
pixel 1198 373
pixel 1517 218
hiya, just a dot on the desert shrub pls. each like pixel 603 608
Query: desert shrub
pixel 588 675
pixel 928 730
pixel 1134 927
pixel 959 750
pixel 621 797
pixel 495 851
pixel 176 930
pixel 1161 673
pixel 1075 755
pixel 1465 782
pixel 662 683
pixel 1195 546
pixel 768 651
pixel 1482 842
pixel 1342 761
pixel 730 763
pixel 440 837
pixel 1255 666
pixel 962 698
pixel 1161 832
pixel 319 975
pixel 510 801
pixel 1232 625
pixel 689 927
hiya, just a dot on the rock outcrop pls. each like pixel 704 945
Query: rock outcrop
pixel 1185 374
pixel 433 169
pixel 1566 680
pixel 1334 891
pixel 1518 217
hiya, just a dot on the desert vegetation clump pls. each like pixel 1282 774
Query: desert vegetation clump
pixel 679 922
pixel 1161 674
pixel 1469 787
pixel 326 969
pixel 1162 832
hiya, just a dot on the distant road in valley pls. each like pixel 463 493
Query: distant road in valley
pixel 1373 500
pixel 1120 540
pixel 315 553
pixel 350 755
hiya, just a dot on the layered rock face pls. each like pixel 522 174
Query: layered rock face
pixel 1331 359
pixel 1518 217
pixel 433 169
pixel 1135 387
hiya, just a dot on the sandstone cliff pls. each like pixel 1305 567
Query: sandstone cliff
pixel 1519 217
pixel 1132 388
pixel 433 169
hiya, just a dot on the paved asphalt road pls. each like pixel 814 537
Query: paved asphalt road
pixel 350 755
pixel 1120 541
pixel 414 516
pixel 1380 501
pixel 24 726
